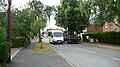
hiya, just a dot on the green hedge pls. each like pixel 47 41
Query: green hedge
pixel 4 53
pixel 107 37
pixel 20 42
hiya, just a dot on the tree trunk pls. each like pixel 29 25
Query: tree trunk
pixel 71 31
pixel 49 18
pixel 40 39
pixel 39 36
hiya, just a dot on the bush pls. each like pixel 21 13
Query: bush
pixel 20 42
pixel 111 37
pixel 4 53
pixel 107 37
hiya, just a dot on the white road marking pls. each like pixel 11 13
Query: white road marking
pixel 86 50
pixel 64 57
pixel 98 53
pixel 116 59
pixel 94 52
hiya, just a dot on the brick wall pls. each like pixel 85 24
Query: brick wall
pixel 91 28
pixel 106 28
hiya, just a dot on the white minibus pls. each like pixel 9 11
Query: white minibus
pixel 56 36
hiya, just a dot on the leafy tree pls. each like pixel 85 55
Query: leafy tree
pixel 3 13
pixel 37 8
pixel 69 15
pixel 22 20
pixel 106 11
pixel 85 8
pixel 28 21
pixel 48 11
pixel 3 19
pixel 37 25
pixel 3 46
pixel 4 50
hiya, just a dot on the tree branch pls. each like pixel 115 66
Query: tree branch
pixel 116 24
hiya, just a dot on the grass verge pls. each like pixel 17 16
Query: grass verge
pixel 2 65
pixel 45 47
pixel 105 46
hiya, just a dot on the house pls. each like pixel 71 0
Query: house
pixel 107 27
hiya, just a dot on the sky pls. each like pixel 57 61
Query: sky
pixel 21 3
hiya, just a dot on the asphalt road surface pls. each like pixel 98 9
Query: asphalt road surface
pixel 81 55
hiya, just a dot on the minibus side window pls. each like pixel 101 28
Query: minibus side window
pixel 49 33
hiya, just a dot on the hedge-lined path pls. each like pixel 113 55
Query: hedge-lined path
pixel 27 57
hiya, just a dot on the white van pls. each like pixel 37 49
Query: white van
pixel 55 36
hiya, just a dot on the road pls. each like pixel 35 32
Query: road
pixel 82 55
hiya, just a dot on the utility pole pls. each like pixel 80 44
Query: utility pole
pixel 9 29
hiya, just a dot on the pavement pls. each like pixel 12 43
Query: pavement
pixel 14 51
pixel 27 57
